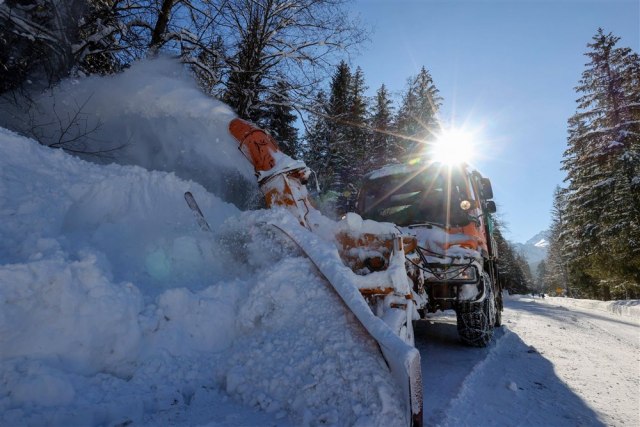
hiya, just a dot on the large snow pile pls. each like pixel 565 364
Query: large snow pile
pixel 116 309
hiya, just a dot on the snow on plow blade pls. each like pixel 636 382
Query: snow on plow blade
pixel 403 360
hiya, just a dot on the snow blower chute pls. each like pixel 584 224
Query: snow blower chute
pixel 365 266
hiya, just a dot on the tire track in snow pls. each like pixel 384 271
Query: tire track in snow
pixel 620 327
pixel 509 383
pixel 594 354
pixel 445 363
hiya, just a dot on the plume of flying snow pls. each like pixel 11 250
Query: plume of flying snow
pixel 152 115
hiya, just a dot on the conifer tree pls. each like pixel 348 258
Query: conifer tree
pixel 559 246
pixel 338 114
pixel 280 120
pixel 316 150
pixel 344 123
pixel 417 119
pixel 541 277
pixel 245 82
pixel 381 151
pixel 511 265
pixel 358 134
pixel 357 140
pixel 602 162
pixel 523 271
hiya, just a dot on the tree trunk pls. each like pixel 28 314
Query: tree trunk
pixel 161 25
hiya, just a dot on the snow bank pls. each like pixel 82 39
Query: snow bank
pixel 629 308
pixel 116 308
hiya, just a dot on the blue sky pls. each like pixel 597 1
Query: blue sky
pixel 504 68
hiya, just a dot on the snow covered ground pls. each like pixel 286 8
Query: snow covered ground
pixel 549 365
pixel 116 309
pixel 629 308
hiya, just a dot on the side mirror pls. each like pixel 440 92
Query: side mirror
pixel 487 191
pixel 491 206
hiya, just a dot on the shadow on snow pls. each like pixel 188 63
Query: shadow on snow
pixel 507 383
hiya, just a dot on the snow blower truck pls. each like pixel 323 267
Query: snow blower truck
pixel 447 209
pixel 425 245
pixel 362 260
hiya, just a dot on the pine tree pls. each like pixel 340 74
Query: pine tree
pixel 358 132
pixel 382 150
pixel 417 121
pixel 541 275
pixel 602 162
pixel 344 143
pixel 358 136
pixel 559 251
pixel 523 271
pixel 513 270
pixel 338 114
pixel 316 150
pixel 280 120
pixel 245 83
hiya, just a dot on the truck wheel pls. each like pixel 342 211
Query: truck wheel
pixel 475 326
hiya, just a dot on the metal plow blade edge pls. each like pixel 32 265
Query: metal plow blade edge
pixel 403 360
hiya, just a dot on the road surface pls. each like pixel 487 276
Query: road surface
pixel 547 366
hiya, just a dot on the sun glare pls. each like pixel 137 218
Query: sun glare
pixel 452 146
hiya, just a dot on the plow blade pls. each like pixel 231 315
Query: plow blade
pixel 402 359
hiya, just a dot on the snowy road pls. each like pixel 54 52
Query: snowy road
pixel 548 366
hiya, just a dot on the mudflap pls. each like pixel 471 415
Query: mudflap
pixel 402 359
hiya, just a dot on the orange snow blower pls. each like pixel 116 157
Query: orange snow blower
pixel 374 253
pixel 281 178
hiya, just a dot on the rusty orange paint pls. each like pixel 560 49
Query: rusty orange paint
pixel 409 243
pixel 286 188
pixel 383 244
pixel 367 292
pixel 398 305
pixel 255 144
pixel 276 198
pixel 475 237
pixel 368 240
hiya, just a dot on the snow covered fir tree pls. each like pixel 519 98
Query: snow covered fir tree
pixel 595 248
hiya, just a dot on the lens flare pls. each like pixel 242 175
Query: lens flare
pixel 452 146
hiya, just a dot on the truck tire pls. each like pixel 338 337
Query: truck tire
pixel 475 323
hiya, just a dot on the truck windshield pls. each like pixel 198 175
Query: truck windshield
pixel 431 195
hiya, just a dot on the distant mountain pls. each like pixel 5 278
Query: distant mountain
pixel 534 250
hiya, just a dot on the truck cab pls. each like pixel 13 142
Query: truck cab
pixel 447 208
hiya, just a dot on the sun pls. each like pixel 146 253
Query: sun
pixel 452 146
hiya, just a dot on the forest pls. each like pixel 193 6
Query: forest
pixel 287 66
